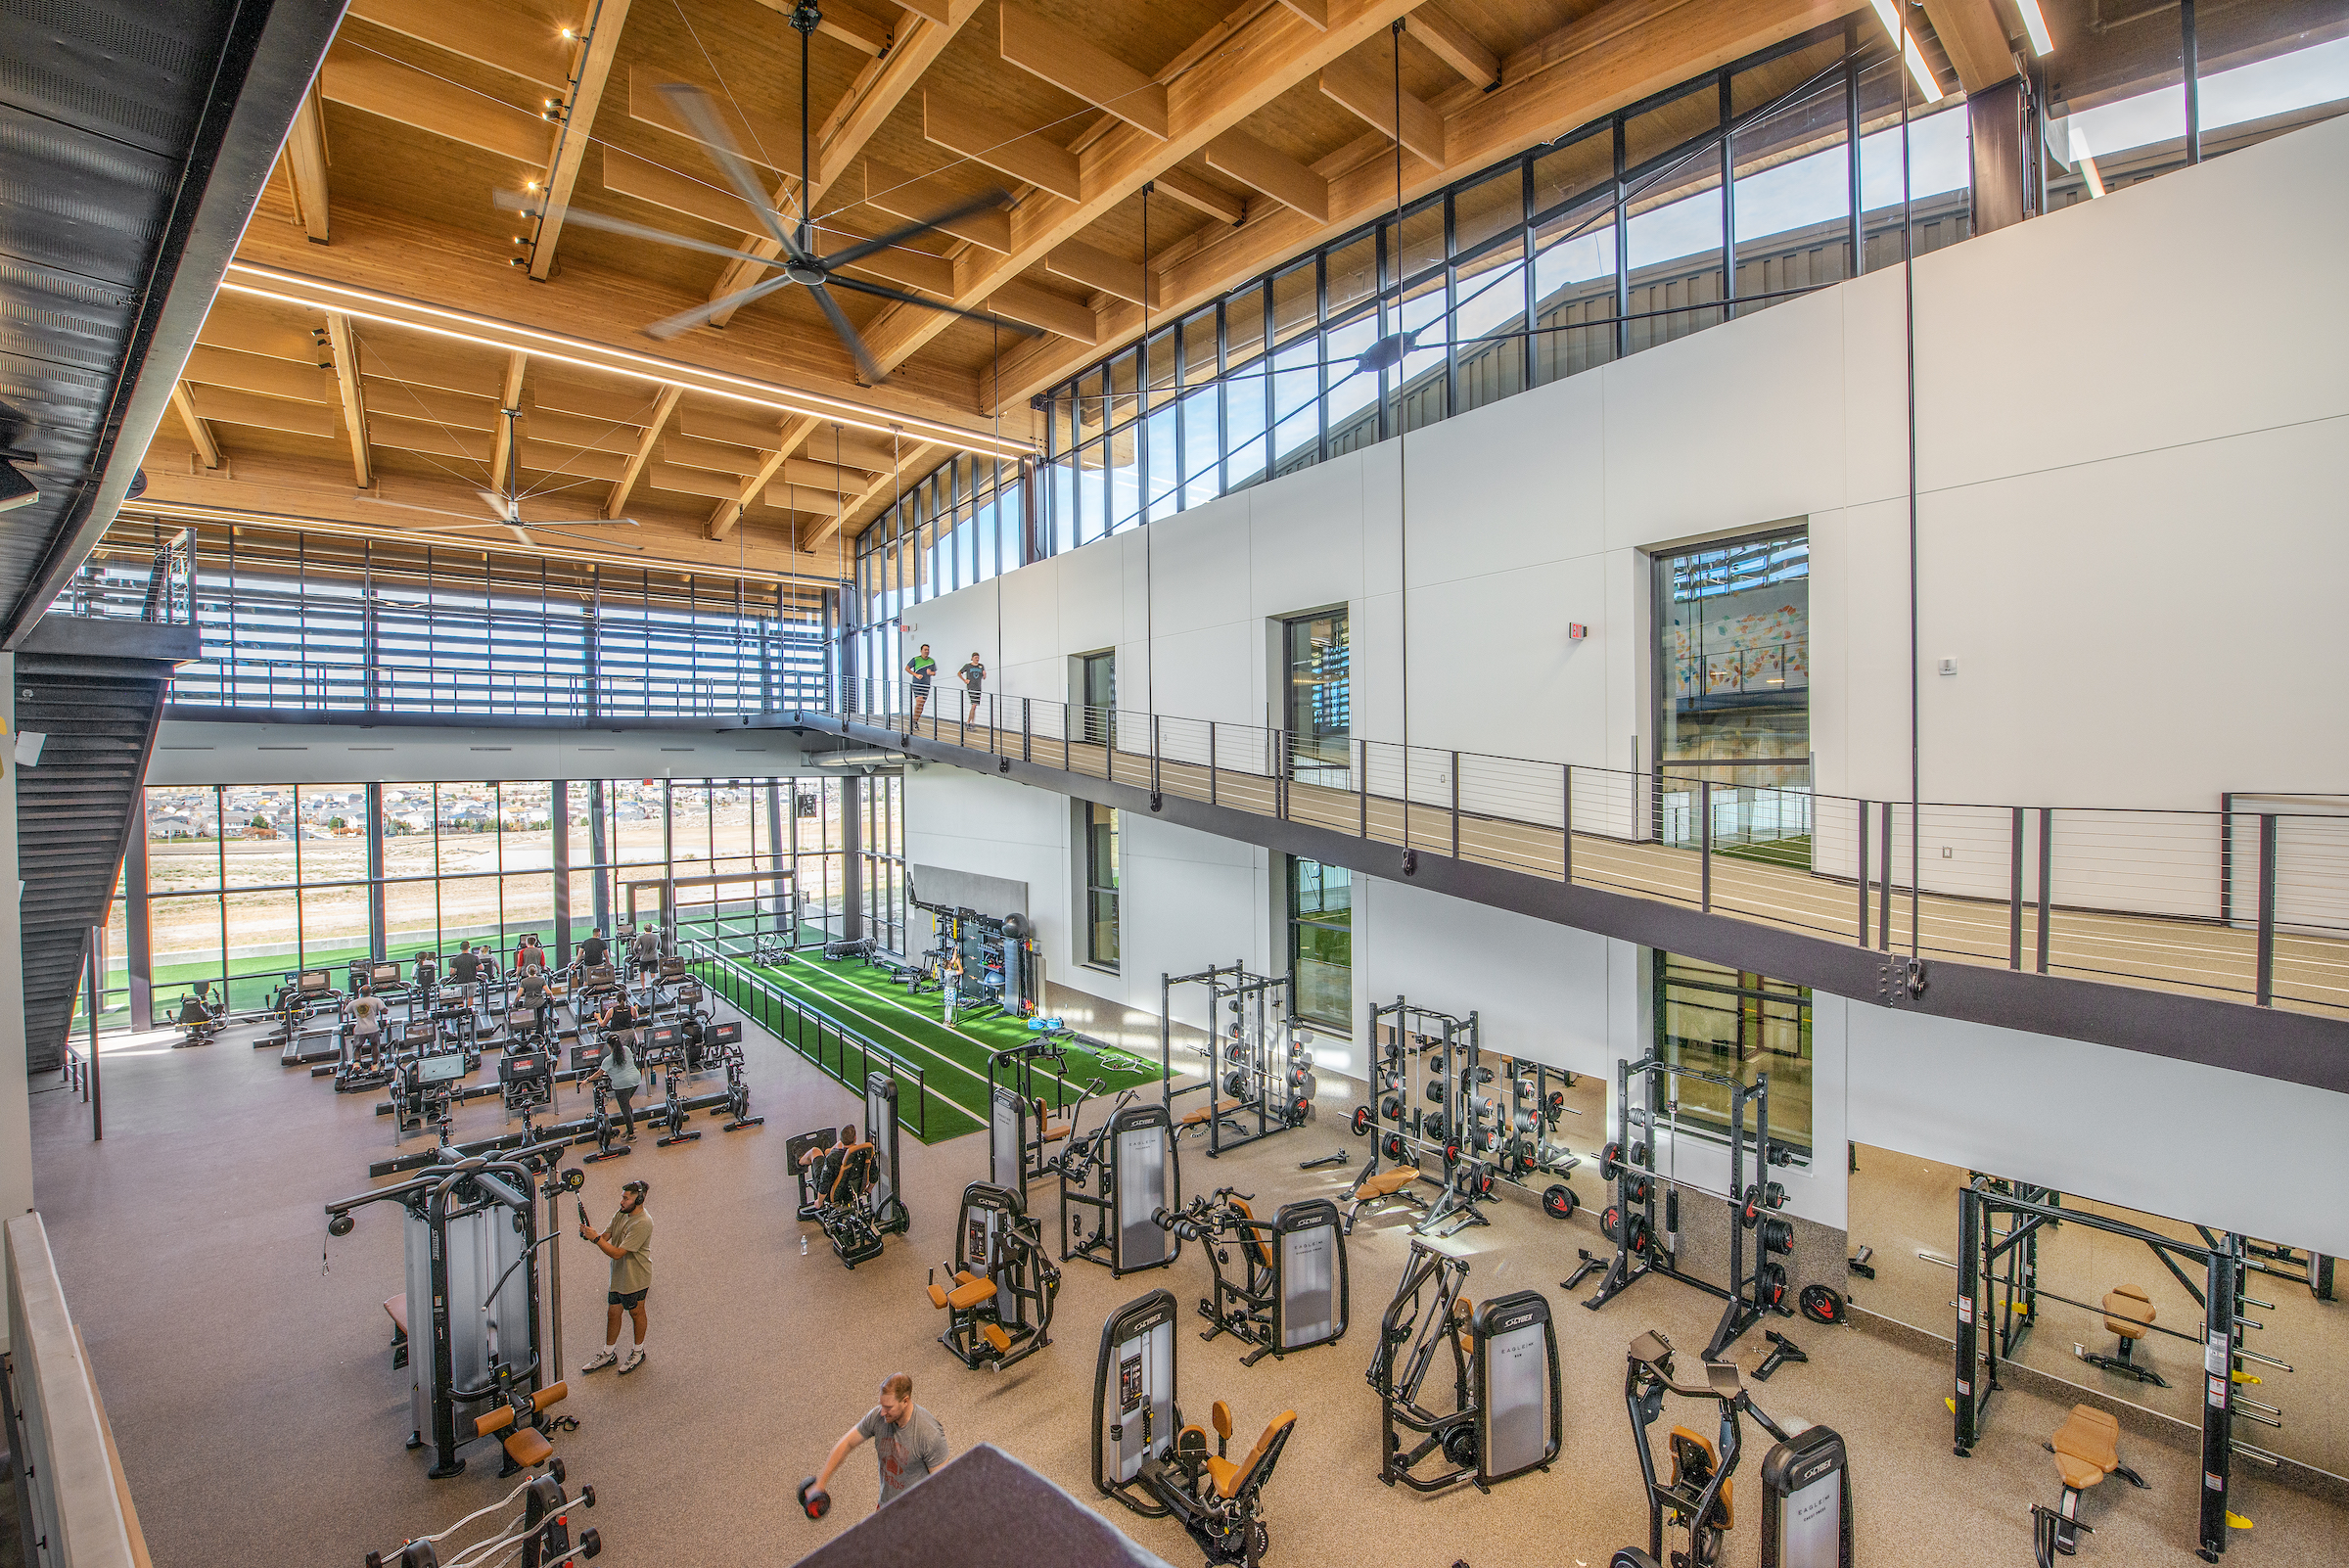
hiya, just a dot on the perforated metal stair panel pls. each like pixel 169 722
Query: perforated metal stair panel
pixel 74 813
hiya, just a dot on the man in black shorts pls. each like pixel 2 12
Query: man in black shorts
pixel 974 681
pixel 595 951
pixel 628 1242
pixel 466 970
pixel 921 667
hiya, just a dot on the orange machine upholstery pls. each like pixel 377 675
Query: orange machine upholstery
pixel 2087 1447
pixel 1047 1130
pixel 1230 1479
pixel 854 1174
pixel 1386 1184
pixel 1264 1248
pixel 2126 1311
pixel 970 1293
pixel 1199 1117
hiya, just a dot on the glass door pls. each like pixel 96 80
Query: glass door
pixel 1319 704
pixel 1097 695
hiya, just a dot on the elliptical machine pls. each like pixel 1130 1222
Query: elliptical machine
pixel 1805 1490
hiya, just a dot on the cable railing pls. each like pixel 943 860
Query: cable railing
pixel 497 691
pixel 839 1050
pixel 2247 903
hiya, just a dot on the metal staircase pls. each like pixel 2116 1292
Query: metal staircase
pixel 94 691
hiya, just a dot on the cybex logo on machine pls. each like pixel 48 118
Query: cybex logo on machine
pixel 1518 1321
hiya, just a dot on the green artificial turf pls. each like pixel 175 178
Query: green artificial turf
pixel 1792 852
pixel 953 1061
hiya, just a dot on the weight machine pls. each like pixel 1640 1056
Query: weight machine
pixel 1806 1488
pixel 1259 1067
pixel 1291 1292
pixel 1629 1164
pixel 1147 1458
pixel 1505 1414
pixel 998 1301
pixel 1020 1124
pixel 472 1241
pixel 1118 1178
pixel 863 1204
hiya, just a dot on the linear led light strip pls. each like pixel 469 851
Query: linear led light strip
pixel 188 512
pixel 1887 13
pixel 313 293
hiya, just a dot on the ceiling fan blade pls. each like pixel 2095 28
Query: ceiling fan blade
pixel 902 297
pixel 726 152
pixel 498 504
pixel 523 206
pixel 867 365
pixel 988 202
pixel 670 326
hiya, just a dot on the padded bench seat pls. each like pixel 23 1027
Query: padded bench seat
pixel 1386 1184
pixel 2087 1447
pixel 1200 1117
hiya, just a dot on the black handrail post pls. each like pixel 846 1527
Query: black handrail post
pixel 1361 783
pixel 97 1097
pixel 1704 846
pixel 1211 761
pixel 2267 917
pixel 2047 878
pixel 1884 886
pixel 2014 895
pixel 1026 721
pixel 1566 828
pixel 1862 873
pixel 1456 806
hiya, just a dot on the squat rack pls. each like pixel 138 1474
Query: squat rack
pixel 1982 1247
pixel 1629 1164
pixel 1245 1056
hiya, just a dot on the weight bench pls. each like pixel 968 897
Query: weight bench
pixel 1374 1188
pixel 2087 1449
pixel 2126 1311
pixel 1220 1111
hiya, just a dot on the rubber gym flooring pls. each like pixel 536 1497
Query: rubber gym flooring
pixel 954 1059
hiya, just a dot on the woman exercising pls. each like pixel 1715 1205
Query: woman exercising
pixel 619 1024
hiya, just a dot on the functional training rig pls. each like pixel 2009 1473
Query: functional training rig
pixel 1988 1284
pixel 1149 1461
pixel 472 1242
pixel 1806 1484
pixel 1629 1163
pixel 1117 1180
pixel 1505 1413
pixel 1291 1292
pixel 998 1298
pixel 1260 1069
pixel 1002 968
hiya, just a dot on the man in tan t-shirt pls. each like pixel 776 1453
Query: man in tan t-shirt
pixel 628 1242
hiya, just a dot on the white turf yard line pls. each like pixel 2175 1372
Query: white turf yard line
pixel 812 994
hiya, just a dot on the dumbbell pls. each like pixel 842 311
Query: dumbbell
pixel 815 1500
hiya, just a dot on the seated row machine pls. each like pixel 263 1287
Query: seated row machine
pixel 1291 1288
pixel 1147 1458
pixel 1504 1413
pixel 854 1196
pixel 1000 1283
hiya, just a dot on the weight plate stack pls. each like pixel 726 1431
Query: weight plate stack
pixel 1776 1234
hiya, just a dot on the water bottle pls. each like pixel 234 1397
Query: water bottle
pixel 803 1246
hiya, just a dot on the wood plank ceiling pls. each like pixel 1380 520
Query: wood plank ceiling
pixel 1265 130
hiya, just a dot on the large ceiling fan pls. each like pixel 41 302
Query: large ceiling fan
pixel 800 263
pixel 505 509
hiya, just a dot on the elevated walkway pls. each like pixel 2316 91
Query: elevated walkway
pixel 2216 936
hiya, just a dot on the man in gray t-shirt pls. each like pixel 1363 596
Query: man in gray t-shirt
pixel 908 1441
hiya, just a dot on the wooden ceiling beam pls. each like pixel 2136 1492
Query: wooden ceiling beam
pixel 509 398
pixel 681 479
pixel 789 438
pixel 575 130
pixel 849 24
pixel 306 166
pixel 984 137
pixel 1196 194
pixel 496 34
pixel 1445 36
pixel 1087 264
pixel 433 438
pixel 354 401
pixel 1365 88
pixel 411 401
pixel 715 457
pixel 1042 307
pixel 259 373
pixel 592 434
pixel 1045 49
pixel 206 446
pixel 913 197
pixel 916 460
pixel 249 327
pixel 879 88
pixel 618 504
pixel 563 461
pixel 423 101
pixel 1247 69
pixel 1270 170
pixel 1974 36
pixel 219 405
pixel 1314 12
